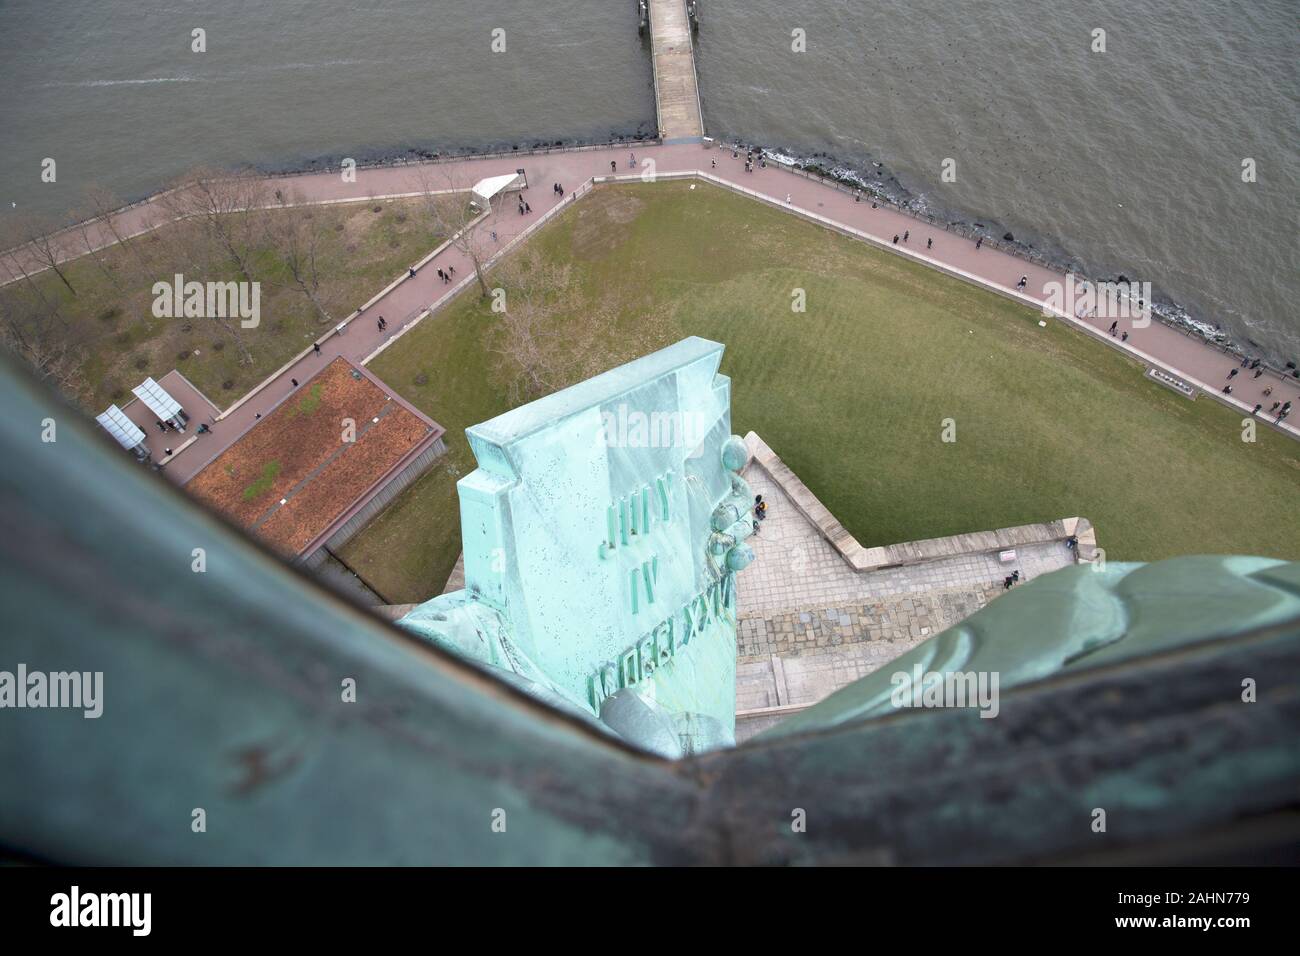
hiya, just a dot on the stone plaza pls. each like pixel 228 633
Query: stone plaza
pixel 810 623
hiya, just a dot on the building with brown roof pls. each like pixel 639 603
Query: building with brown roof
pixel 315 469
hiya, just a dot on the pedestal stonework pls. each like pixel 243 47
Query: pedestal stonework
pixel 602 532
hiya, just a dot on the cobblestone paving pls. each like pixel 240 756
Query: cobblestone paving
pixel 796 658
pixel 900 620
pixel 809 624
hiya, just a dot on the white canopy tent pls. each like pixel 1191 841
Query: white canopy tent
pixel 158 401
pixel 485 189
pixel 126 432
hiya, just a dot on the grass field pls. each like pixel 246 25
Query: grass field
pixel 853 393
pixel 118 341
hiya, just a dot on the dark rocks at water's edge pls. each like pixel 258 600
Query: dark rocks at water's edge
pixel 885 187
pixel 398 156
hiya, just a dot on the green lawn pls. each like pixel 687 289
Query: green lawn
pixel 852 394
pixel 117 341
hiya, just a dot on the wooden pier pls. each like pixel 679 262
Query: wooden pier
pixel 677 93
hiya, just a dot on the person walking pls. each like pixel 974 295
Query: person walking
pixel 315 347
pixel 1233 373
pixel 411 273
pixel 1259 372
pixel 906 234
pixel 929 243
pixel 293 382
pixel 442 275
pixel 979 242
pixel 1024 281
pixel 1255 410
pixel 1113 326
pixel 895 238
pixel 613 166
pixel 451 271
pixel 527 208
pixel 1124 337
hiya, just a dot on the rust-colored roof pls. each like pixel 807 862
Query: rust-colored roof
pixel 297 453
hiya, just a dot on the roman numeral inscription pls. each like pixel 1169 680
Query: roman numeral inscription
pixel 659 646
pixel 631 516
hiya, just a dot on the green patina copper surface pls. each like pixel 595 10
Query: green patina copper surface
pixel 602 533
pixel 222 691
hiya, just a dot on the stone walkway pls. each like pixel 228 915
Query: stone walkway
pixel 1189 358
pixel 792 660
pixel 795 567
pixel 810 624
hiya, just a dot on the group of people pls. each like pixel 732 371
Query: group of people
pixel 557 188
pixel 760 511
pixel 1280 409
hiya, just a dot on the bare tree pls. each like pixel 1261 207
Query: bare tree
pixel 447 211
pixel 92 238
pixel 212 200
pixel 47 250
pixel 536 357
pixel 42 344
pixel 104 206
pixel 296 237
pixel 18 262
pixel 194 245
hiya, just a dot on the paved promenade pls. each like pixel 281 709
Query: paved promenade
pixel 1189 358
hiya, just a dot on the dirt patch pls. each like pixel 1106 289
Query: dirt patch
pixel 603 222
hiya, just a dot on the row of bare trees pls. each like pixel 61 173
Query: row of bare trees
pixel 241 223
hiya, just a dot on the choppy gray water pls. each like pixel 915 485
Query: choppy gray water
pixel 1127 161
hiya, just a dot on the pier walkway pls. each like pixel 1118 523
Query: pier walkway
pixel 677 91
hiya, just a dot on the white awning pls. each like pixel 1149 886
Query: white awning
pixel 115 422
pixel 157 400
pixel 485 189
